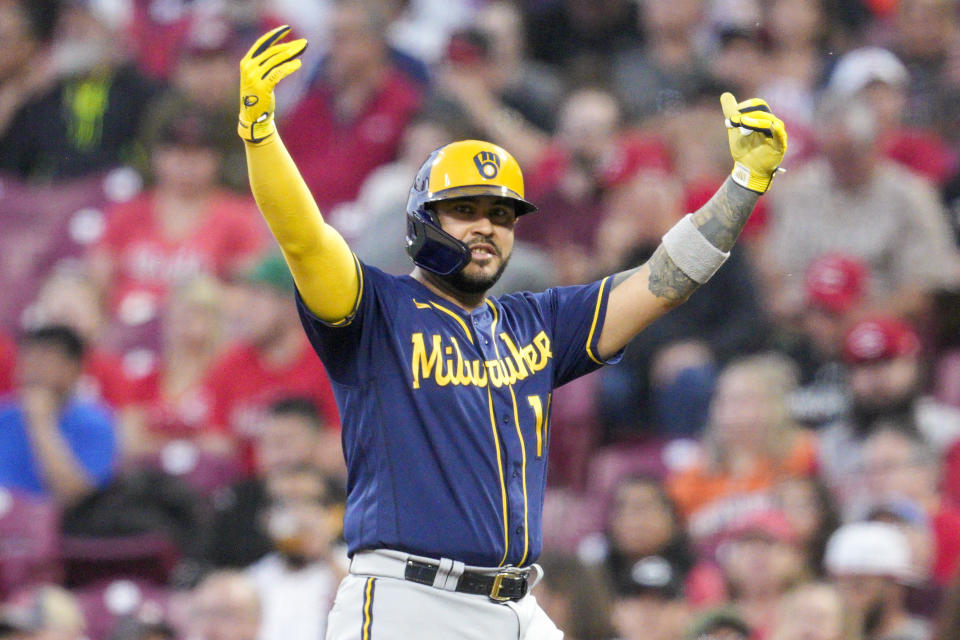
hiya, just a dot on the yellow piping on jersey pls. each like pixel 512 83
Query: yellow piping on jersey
pixel 523 448
pixel 593 325
pixel 452 314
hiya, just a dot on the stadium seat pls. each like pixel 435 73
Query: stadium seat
pixel 203 471
pixel 105 603
pixel 149 557
pixel 29 541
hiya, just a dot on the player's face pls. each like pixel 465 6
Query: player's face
pixel 485 225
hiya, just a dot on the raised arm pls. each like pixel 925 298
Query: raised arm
pixel 697 246
pixel 319 259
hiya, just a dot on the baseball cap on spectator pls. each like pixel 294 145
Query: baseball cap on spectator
pixel 48 607
pixel 712 621
pixel 272 271
pixel 878 339
pixel 869 549
pixel 895 510
pixel 771 525
pixel 651 575
pixel 861 67
pixel 835 282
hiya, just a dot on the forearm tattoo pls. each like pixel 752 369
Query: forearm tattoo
pixel 667 280
pixel 720 221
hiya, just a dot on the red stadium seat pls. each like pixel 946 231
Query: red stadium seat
pixel 148 557
pixel 29 541
pixel 105 603
pixel 203 471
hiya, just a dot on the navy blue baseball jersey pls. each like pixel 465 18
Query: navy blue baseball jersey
pixel 445 413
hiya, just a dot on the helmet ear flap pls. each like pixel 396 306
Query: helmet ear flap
pixel 431 247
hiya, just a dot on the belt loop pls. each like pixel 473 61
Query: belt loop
pixel 443 572
pixel 453 577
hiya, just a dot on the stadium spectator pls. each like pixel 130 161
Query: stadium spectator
pixel 879 78
pixel 720 623
pixel 761 561
pixel 589 150
pixel 811 611
pixel 869 562
pixel 669 64
pixel 812 513
pixel 46 612
pixel 169 404
pixel 852 200
pixel 580 37
pixel 923 37
pixel 900 472
pixel 575 597
pixel 88 119
pixel 293 435
pixel 649 601
pixel 26 26
pixel 224 606
pixel 271 359
pixel 203 82
pixel 737 50
pixel 948 618
pixel 886 373
pixel 298 579
pixel 69 296
pixel 53 443
pixel 642 522
pixel 663 385
pixel 184 226
pixel 834 293
pixel 749 444
pixel 799 33
pixel 351 119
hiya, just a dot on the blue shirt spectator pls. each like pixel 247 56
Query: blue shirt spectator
pixel 53 443
pixel 85 427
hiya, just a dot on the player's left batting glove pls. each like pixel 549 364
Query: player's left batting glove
pixel 757 139
pixel 264 65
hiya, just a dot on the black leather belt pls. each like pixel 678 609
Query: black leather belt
pixel 508 584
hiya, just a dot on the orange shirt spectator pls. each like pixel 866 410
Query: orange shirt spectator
pixel 749 445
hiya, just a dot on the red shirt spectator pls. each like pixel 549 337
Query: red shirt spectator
pixel 272 360
pixel 108 378
pixel 243 383
pixel 149 260
pixel 334 156
pixel 352 119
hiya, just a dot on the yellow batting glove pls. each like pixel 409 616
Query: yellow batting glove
pixel 758 141
pixel 264 65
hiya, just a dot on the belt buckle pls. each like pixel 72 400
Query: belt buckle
pixel 498 583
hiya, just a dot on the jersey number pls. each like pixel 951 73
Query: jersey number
pixel 537 405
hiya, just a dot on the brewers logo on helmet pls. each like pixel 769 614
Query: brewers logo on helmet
pixel 457 170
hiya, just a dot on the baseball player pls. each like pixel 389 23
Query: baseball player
pixel 444 393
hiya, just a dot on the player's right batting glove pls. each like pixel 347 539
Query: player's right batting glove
pixel 757 139
pixel 264 65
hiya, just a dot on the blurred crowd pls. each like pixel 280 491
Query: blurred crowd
pixel 777 459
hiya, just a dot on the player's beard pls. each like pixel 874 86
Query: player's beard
pixel 472 284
